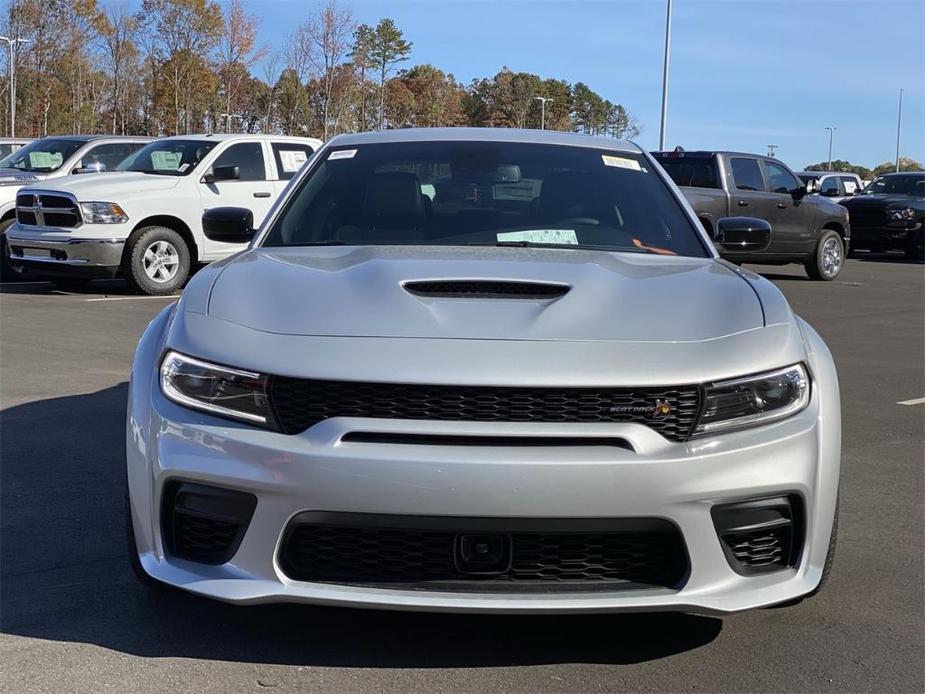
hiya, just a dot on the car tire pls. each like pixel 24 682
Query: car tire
pixel 828 258
pixel 69 284
pixel 7 272
pixel 916 248
pixel 156 261
pixel 142 576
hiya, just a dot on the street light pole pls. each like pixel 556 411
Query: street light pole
pixel 899 125
pixel 831 135
pixel 12 42
pixel 543 100
pixel 661 132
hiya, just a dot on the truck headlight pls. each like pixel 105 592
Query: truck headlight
pixel 219 390
pixel 754 400
pixel 102 213
pixel 901 214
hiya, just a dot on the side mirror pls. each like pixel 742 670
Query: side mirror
pixel 92 167
pixel 830 193
pixel 799 192
pixel 812 186
pixel 222 173
pixel 742 234
pixel 228 224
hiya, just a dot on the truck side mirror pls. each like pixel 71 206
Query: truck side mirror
pixel 91 167
pixel 742 234
pixel 228 224
pixel 222 173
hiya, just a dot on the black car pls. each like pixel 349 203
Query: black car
pixel 890 213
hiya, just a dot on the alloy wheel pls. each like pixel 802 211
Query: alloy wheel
pixel 161 261
pixel 831 256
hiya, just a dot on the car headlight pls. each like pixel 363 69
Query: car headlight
pixel 754 400
pixel 219 390
pixel 102 213
pixel 901 214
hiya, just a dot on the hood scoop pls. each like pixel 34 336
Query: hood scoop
pixel 485 289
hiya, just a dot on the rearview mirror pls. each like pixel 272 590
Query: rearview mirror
pixel 222 173
pixel 228 224
pixel 742 234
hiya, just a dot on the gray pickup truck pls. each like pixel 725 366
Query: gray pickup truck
pixel 806 229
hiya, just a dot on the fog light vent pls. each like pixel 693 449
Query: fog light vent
pixel 760 535
pixel 204 524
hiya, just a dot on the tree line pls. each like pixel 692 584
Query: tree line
pixel 905 164
pixel 183 66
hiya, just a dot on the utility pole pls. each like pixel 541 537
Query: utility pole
pixel 899 126
pixel 771 149
pixel 12 43
pixel 543 100
pixel 831 135
pixel 664 123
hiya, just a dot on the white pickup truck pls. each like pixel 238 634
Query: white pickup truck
pixel 51 158
pixel 145 221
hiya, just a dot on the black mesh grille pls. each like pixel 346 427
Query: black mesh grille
pixel 300 403
pixel 647 553
pixel 482 289
pixel 203 523
pixel 760 550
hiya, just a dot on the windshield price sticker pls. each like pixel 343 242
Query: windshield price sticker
pixel 560 236
pixel 621 162
pixel 342 154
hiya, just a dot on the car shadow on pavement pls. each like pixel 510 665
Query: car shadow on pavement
pixel 65 577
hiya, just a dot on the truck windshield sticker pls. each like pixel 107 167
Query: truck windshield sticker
pixel 292 159
pixel 563 236
pixel 621 162
pixel 166 161
pixel 342 154
pixel 45 160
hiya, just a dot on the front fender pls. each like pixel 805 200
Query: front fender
pixel 138 434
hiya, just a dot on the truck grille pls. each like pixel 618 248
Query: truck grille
pixel 44 209
pixel 867 216
pixel 300 403
pixel 419 552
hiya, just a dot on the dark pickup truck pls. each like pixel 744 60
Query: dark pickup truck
pixel 890 213
pixel 806 229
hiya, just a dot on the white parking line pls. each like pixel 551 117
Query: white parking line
pixel 917 401
pixel 132 298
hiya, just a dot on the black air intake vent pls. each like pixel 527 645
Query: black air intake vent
pixel 485 289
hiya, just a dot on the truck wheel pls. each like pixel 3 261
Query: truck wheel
pixel 829 257
pixel 916 248
pixel 6 270
pixel 156 260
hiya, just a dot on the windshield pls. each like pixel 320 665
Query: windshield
pixel 897 185
pixel 42 156
pixel 168 157
pixel 485 193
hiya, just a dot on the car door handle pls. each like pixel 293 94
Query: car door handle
pixel 261 194
pixel 743 203
pixel 781 205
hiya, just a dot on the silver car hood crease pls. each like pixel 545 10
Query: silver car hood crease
pixel 358 292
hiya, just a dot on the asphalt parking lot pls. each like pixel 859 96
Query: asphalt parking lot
pixel 73 618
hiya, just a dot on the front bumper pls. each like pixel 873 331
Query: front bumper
pixel 317 471
pixel 891 235
pixel 64 252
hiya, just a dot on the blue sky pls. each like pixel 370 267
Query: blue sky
pixel 744 73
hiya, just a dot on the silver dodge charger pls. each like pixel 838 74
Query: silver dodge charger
pixel 483 370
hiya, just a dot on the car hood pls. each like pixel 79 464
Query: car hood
pixel 14 177
pixel 112 186
pixel 881 200
pixel 361 291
